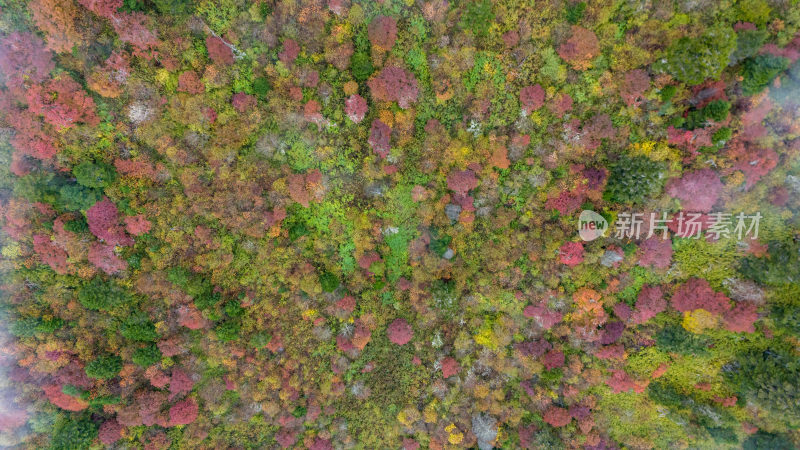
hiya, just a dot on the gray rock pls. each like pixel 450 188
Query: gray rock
pixel 484 427
pixel 610 258
pixel 452 211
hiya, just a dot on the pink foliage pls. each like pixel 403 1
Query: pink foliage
pixel 557 417
pixel 24 56
pixel 110 431
pixel 137 224
pixel 218 51
pixel 552 359
pixel 379 136
pixel 243 102
pixel 531 98
pixel 635 83
pixel 30 138
pixel 400 332
pixel 133 28
pixel 697 294
pixel 183 413
pixel 566 202
pixel 180 384
pixel 595 129
pixel 462 181
pixel 303 188
pixel 687 140
pixel 697 191
pixel 190 83
pixel 623 311
pixel 289 52
pixel 62 102
pixel 50 254
pixel 561 105
pixel 103 222
pixel 571 253
pixel 649 303
pixel 103 8
pixel 655 252
pixel 355 107
pixel 286 438
pixel 312 111
pixel 104 258
pixel 367 259
pixel 580 48
pixel 347 304
pixel 382 32
pixel 753 161
pixel 394 84
pixel 450 367
pixel 620 381
pixel 546 317
pixel 740 319
pixel 13 419
pixel 62 400
pixel 190 317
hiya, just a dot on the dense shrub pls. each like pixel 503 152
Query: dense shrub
pixel 104 367
pixel 633 179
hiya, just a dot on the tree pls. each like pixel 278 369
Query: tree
pixel 759 71
pixel 290 51
pixel 634 179
pixel 94 175
pixel 478 17
pixel 183 412
pixel 698 191
pixel 580 49
pixel 399 332
pixel 23 56
pixel 693 60
pixel 50 254
pixel 696 293
pixel 450 367
pixel 104 258
pixel 62 102
pixel 356 108
pixel 146 356
pixel 571 253
pixel 69 434
pixel 137 224
pixel 138 327
pixel 180 383
pixel 382 32
pixel 218 51
pixel 190 83
pixel 110 432
pixel 103 8
pixel 462 181
pixel 56 18
pixel 557 417
pixel 394 84
pixel 649 303
pixel 634 84
pixel 379 138
pixel 104 367
pixel 531 98
pixel 655 252
pixel 767 378
pixel 74 197
pixel 102 295
pixel 103 220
